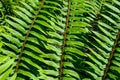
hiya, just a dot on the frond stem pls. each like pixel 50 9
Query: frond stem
pixel 111 55
pixel 26 37
pixel 64 41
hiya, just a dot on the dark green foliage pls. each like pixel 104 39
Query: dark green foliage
pixel 59 40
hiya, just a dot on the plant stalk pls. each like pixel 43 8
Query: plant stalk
pixel 28 32
pixel 111 55
pixel 64 41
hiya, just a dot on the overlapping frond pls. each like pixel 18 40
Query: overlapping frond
pixel 91 39
pixel 113 71
pixel 34 40
pixel 61 40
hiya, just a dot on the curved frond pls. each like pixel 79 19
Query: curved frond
pixel 60 40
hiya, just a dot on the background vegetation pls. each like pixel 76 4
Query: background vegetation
pixel 59 40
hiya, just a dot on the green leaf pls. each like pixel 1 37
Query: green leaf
pixel 112 7
pixel 71 72
pixel 75 51
pixel 12 39
pixel 103 38
pixel 16 26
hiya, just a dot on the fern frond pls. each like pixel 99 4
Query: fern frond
pixel 61 40
pixel 31 36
